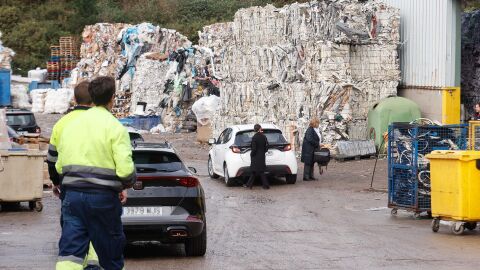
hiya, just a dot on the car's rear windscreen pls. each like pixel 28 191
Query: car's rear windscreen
pixel 20 120
pixel 161 161
pixel 274 137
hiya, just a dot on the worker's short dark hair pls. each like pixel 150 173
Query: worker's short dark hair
pixel 101 90
pixel 257 127
pixel 82 96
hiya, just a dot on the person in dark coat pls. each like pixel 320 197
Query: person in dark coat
pixel 311 143
pixel 258 165
pixel 476 114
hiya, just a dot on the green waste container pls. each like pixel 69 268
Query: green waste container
pixel 387 111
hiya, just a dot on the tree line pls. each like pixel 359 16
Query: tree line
pixel 29 27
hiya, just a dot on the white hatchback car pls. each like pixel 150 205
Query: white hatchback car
pixel 230 154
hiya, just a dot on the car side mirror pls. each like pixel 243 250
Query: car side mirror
pixel 192 169
pixel 212 141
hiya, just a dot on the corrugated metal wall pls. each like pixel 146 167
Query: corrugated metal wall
pixel 430 36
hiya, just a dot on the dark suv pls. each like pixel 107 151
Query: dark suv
pixel 167 203
pixel 22 121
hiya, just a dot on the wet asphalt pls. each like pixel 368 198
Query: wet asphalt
pixel 336 222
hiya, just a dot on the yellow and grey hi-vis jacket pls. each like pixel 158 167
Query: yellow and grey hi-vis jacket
pixel 95 152
pixel 52 154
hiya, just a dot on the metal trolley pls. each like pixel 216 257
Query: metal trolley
pixel 409 169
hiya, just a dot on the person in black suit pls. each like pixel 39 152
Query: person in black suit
pixel 258 165
pixel 311 143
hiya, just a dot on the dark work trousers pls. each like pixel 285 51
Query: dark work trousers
pixel 262 176
pixel 308 171
pixel 95 217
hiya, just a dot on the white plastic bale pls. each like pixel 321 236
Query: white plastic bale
pixel 20 98
pixel 58 101
pixel 38 99
pixel 205 108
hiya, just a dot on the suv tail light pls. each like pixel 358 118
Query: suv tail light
pixel 38 130
pixel 188 181
pixel 287 147
pixel 235 149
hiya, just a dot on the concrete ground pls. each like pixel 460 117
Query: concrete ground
pixel 333 223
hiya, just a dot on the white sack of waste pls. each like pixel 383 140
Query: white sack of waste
pixel 205 108
pixel 38 99
pixel 58 101
pixel 20 98
pixel 158 129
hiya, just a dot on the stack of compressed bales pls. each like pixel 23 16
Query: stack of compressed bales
pixel 330 59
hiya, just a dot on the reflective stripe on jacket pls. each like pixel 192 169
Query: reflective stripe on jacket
pixel 95 152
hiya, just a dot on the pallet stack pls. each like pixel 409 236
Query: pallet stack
pixel 68 56
pixel 53 66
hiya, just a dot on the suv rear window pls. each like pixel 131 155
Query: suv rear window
pixel 274 137
pixel 20 120
pixel 135 136
pixel 161 161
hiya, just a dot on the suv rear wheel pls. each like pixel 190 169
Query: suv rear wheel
pixel 197 246
pixel 291 178
pixel 228 181
pixel 210 169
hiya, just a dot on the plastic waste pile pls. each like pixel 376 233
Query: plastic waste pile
pixel 470 60
pixel 153 65
pixel 99 51
pixel 52 100
pixel 6 55
pixel 330 59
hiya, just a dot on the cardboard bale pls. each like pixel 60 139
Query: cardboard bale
pixel 204 132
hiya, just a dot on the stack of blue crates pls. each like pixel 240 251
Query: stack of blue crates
pixel 408 169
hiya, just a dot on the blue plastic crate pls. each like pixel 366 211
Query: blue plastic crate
pixel 141 122
pixel 408 169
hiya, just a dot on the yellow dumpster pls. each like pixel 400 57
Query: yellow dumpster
pixel 455 188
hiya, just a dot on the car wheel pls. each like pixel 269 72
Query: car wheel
pixel 210 169
pixel 197 246
pixel 228 180
pixel 291 178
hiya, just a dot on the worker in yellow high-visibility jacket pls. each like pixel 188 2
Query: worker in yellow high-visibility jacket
pixel 84 102
pixel 96 166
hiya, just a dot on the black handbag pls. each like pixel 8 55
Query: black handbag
pixel 322 156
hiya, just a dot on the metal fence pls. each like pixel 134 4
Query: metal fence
pixel 409 169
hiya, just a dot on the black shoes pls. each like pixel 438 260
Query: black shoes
pixel 251 187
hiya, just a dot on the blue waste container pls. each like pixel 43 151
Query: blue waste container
pixel 43 85
pixel 146 122
pixel 5 96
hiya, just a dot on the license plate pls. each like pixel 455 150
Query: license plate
pixel 22 132
pixel 144 211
